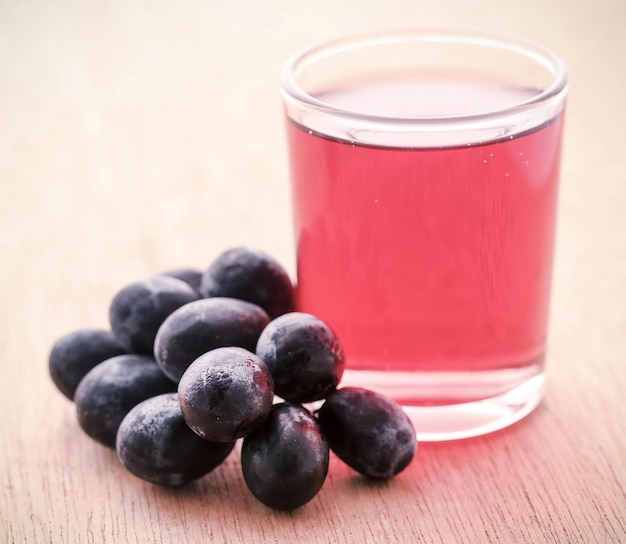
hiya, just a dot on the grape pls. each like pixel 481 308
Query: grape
pixel 111 389
pixel 368 431
pixel 226 393
pixel 303 355
pixel 285 461
pixel 203 325
pixel 250 275
pixel 190 276
pixel 76 353
pixel 226 341
pixel 154 443
pixel 138 309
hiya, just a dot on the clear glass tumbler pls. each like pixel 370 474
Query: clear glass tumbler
pixel 425 172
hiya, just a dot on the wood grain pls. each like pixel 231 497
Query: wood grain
pixel 137 137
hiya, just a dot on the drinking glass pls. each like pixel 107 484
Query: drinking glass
pixel 424 173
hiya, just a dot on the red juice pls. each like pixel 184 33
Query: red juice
pixel 432 265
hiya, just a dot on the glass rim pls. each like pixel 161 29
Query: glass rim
pixel 528 48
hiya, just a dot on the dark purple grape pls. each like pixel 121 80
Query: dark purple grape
pixel 76 353
pixel 370 432
pixel 110 390
pixel 303 355
pixel 285 461
pixel 203 325
pixel 190 276
pixel 250 275
pixel 226 394
pixel 154 443
pixel 137 310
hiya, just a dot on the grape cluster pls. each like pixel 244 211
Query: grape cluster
pixel 196 360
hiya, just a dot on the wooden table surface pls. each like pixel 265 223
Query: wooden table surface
pixel 141 136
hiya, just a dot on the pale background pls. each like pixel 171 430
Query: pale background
pixel 141 136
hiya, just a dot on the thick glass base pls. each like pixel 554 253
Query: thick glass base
pixel 446 412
